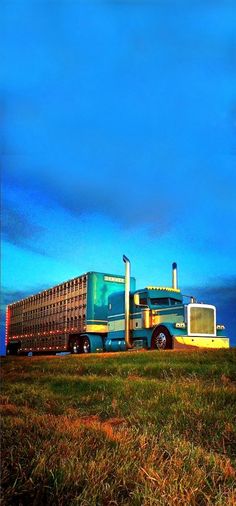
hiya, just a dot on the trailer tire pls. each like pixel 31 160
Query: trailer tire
pixel 13 348
pixel 161 339
pixel 76 346
pixel 86 345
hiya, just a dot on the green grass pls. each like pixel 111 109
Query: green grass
pixel 141 428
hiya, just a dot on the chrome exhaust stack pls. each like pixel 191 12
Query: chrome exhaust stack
pixel 127 302
pixel 174 276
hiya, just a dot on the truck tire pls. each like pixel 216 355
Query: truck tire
pixel 161 339
pixel 86 345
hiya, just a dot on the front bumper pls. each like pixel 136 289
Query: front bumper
pixel 187 342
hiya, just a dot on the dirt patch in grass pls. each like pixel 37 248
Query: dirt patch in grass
pixel 8 409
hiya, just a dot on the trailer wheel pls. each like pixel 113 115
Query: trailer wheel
pixel 161 339
pixel 13 348
pixel 86 345
pixel 76 346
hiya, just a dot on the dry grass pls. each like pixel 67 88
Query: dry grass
pixel 121 429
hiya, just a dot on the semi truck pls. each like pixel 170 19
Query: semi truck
pixel 102 312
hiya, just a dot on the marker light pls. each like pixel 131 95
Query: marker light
pixel 166 288
pixel 180 325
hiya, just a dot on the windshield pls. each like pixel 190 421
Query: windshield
pixel 164 301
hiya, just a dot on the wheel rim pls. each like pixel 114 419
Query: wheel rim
pixel 75 348
pixel 86 346
pixel 160 341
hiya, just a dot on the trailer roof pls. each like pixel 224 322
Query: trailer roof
pixel 67 281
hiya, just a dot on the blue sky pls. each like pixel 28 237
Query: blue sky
pixel 118 124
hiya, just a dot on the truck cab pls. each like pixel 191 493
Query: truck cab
pixel 160 318
pixel 173 324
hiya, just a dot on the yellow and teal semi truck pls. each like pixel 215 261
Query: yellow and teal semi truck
pixel 99 312
pixel 156 317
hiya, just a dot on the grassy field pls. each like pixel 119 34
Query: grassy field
pixel 140 428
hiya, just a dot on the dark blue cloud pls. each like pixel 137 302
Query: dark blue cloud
pixel 18 229
pixel 8 295
pixel 122 109
pixel 113 195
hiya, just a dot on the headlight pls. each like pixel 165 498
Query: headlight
pixel 220 327
pixel 180 325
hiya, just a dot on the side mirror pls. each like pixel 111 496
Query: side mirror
pixel 136 299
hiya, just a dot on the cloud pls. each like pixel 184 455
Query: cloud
pixel 19 230
pixel 114 194
pixel 8 296
pixel 118 112
pixel 128 128
pixel 224 291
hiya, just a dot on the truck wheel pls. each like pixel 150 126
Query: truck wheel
pixel 161 339
pixel 86 345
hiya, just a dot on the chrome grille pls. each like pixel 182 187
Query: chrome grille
pixel 202 320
